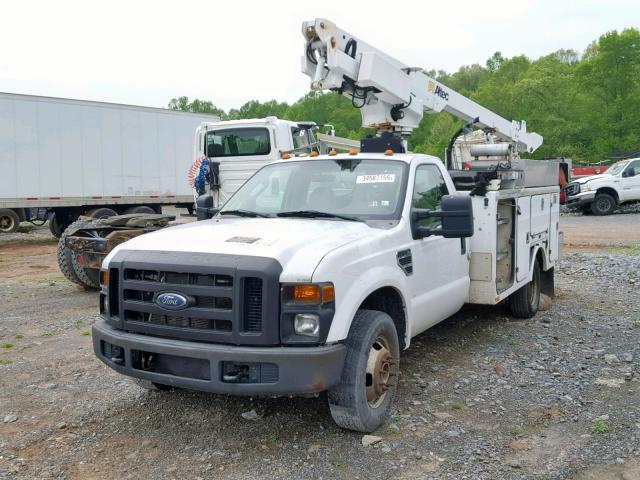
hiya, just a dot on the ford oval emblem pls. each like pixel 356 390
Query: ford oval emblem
pixel 172 301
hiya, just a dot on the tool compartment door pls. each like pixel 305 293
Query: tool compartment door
pixel 540 213
pixel 523 229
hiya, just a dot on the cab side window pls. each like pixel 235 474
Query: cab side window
pixel 429 187
pixel 635 165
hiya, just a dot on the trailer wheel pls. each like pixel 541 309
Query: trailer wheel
pixel 603 204
pixel 362 399
pixel 65 255
pixel 524 302
pixel 56 227
pixel 140 209
pixel 9 220
pixel 101 212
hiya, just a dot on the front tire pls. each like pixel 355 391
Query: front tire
pixel 603 204
pixel 524 303
pixel 362 399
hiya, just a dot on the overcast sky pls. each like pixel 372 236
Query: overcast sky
pixel 145 53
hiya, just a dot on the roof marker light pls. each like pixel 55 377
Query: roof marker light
pixel 313 153
pixel 388 152
pixel 353 151
pixel 333 153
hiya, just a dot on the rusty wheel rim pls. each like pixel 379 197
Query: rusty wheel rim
pixel 381 372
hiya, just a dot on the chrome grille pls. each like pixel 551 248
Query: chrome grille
pixel 572 189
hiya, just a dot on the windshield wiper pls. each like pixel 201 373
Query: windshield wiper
pixel 244 213
pixel 317 214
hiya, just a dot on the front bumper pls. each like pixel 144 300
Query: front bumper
pixel 199 366
pixel 580 200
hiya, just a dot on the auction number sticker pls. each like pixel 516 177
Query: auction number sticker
pixel 379 178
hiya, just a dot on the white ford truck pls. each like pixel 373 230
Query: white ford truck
pixel 602 194
pixel 318 271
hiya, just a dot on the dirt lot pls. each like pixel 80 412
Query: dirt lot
pixel 482 396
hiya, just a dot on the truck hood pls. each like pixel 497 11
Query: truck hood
pixel 298 244
pixel 584 180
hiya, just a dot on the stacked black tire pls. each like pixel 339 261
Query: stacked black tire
pixel 73 267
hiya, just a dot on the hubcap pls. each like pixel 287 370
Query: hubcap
pixel 382 372
pixel 604 204
pixel 6 223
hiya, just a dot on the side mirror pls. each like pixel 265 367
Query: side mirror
pixel 204 207
pixel 629 172
pixel 456 212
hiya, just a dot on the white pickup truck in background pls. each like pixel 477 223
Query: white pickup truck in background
pixel 602 194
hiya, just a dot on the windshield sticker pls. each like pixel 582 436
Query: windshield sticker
pixel 379 178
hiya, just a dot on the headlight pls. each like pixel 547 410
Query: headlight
pixel 306 312
pixel 585 187
pixel 307 324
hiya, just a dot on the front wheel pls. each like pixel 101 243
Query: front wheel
pixel 362 399
pixel 603 204
pixel 524 303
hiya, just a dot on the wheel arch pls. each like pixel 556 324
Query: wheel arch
pixel 389 300
pixel 611 191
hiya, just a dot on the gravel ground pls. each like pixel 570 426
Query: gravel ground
pixel 482 395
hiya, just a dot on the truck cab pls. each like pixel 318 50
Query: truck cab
pixel 601 194
pixel 240 147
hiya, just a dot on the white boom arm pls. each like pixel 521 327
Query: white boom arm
pixel 392 96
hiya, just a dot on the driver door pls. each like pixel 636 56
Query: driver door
pixel 631 185
pixel 440 280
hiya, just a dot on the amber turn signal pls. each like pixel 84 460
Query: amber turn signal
pixel 306 293
pixel 328 293
pixel 104 277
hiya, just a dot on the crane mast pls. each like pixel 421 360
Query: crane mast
pixel 393 97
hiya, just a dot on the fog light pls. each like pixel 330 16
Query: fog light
pixel 307 324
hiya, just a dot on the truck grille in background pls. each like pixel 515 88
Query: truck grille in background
pixel 252 321
pixel 572 189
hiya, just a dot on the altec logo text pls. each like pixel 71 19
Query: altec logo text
pixel 437 90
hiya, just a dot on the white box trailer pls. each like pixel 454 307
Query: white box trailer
pixel 72 156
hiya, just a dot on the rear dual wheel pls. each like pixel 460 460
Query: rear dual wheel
pixel 524 303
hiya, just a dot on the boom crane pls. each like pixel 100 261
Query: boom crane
pixel 392 96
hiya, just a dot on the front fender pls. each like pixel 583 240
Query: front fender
pixel 352 289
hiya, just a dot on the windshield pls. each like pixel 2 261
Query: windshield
pixel 617 167
pixel 362 189
pixel 236 142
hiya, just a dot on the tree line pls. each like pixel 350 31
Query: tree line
pixel 586 106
